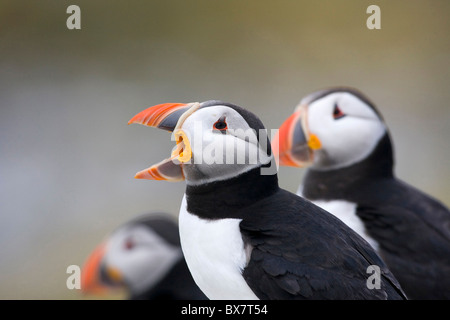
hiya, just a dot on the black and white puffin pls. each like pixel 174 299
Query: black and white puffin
pixel 342 138
pixel 144 257
pixel 243 237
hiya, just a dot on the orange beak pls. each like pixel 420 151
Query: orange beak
pixel 90 273
pixel 168 116
pixel 293 145
pixel 164 116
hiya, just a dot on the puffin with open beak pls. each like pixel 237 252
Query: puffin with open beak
pixel 243 237
pixel 341 137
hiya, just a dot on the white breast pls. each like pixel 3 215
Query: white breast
pixel 346 212
pixel 215 254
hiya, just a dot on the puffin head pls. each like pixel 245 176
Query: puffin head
pixel 136 256
pixel 330 129
pixel 215 141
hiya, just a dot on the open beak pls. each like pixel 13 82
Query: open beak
pixel 170 117
pixel 96 278
pixel 293 145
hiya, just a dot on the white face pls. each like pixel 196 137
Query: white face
pixel 220 154
pixel 346 139
pixel 141 256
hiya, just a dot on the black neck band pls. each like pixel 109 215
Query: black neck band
pixel 339 183
pixel 228 198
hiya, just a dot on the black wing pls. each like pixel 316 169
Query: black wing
pixel 307 253
pixel 413 233
pixel 418 255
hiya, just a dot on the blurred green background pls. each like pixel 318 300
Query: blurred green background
pixel 68 157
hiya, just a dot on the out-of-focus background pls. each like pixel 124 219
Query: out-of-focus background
pixel 68 157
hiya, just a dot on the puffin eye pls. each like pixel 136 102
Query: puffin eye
pixel 337 112
pixel 129 244
pixel 221 125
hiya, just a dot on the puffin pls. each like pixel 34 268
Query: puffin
pixel 144 257
pixel 340 136
pixel 244 237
